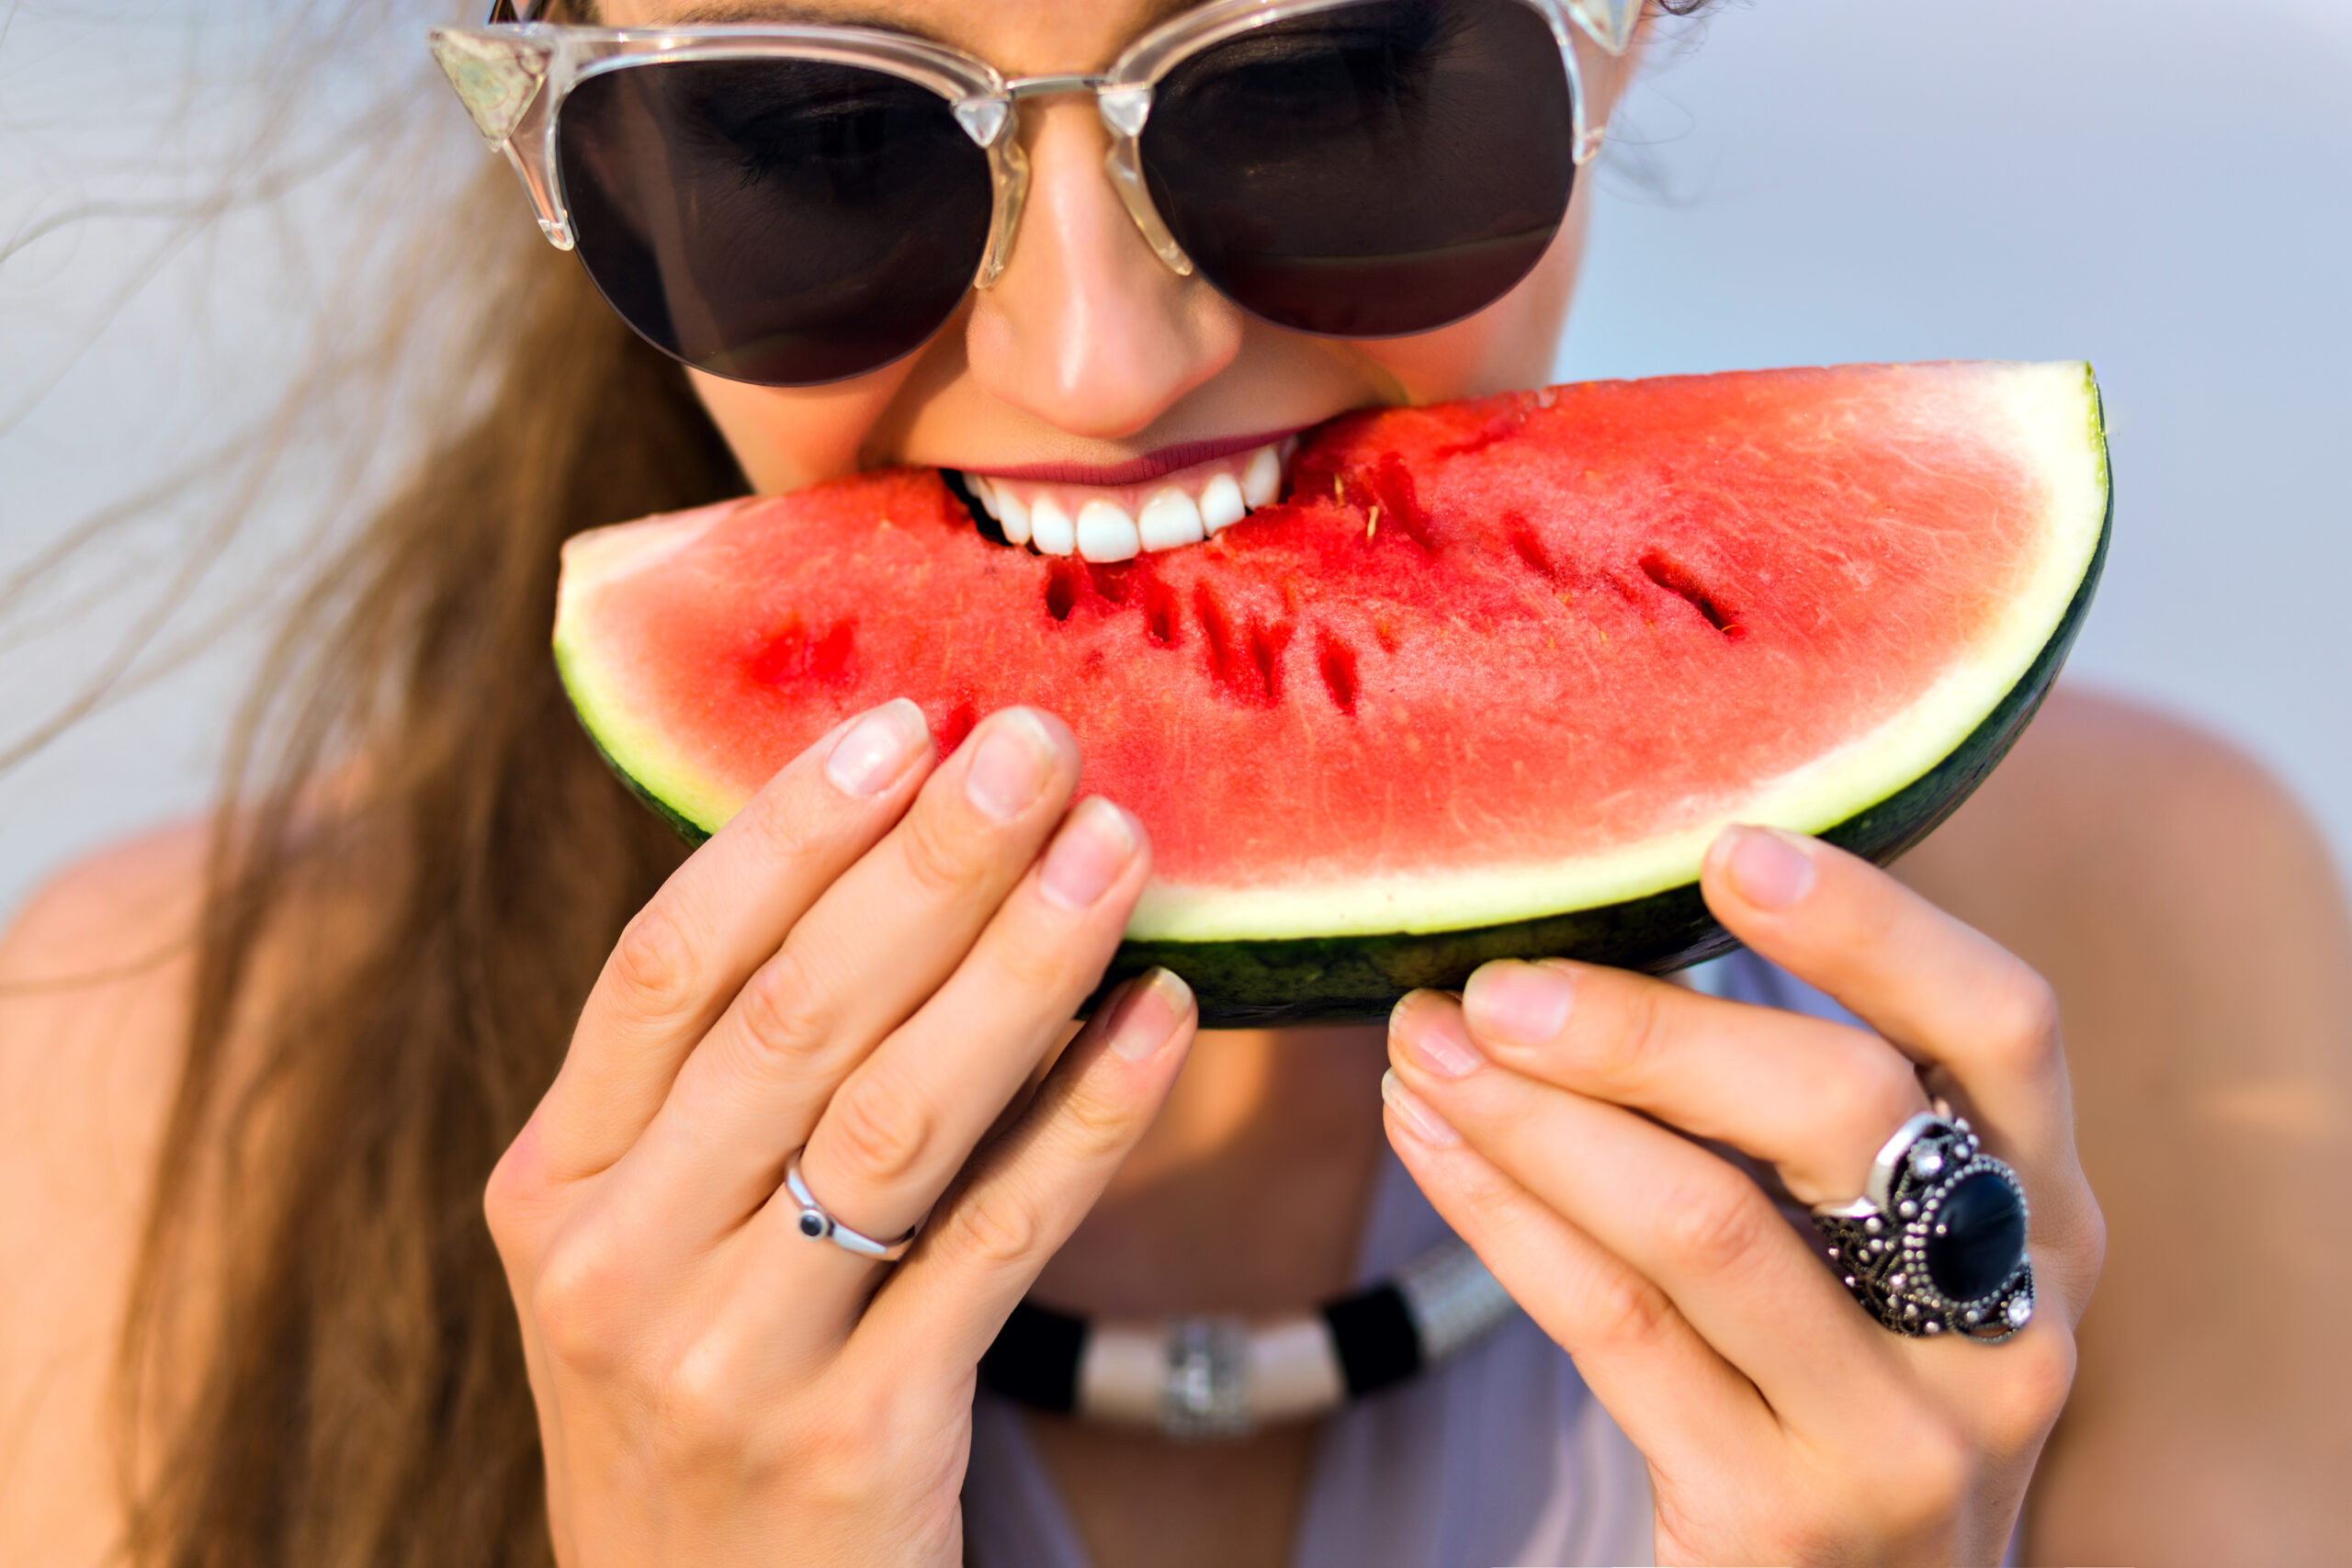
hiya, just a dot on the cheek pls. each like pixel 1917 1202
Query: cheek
pixel 1507 347
pixel 788 437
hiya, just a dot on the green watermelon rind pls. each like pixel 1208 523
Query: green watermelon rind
pixel 1259 983
pixel 1256 981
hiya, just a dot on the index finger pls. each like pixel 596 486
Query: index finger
pixel 1940 990
pixel 1815 1098
pixel 718 918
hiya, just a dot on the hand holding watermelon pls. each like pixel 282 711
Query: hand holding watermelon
pixel 1549 1112
pixel 861 968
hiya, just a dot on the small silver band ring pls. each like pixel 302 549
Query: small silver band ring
pixel 818 1225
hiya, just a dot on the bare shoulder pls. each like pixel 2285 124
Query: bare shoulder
pixel 2191 920
pixel 2102 796
pixel 94 976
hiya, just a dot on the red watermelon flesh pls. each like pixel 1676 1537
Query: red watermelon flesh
pixel 1485 661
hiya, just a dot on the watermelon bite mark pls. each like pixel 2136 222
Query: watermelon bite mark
pixel 1486 680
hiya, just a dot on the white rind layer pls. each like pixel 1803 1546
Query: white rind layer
pixel 2054 410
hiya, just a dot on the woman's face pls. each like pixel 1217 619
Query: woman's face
pixel 1090 362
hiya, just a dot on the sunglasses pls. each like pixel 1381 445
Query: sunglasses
pixel 791 205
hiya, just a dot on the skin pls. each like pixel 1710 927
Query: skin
pixel 873 959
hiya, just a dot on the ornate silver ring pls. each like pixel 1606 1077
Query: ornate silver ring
pixel 818 1225
pixel 1937 1242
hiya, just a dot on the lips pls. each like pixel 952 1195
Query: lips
pixel 1153 465
pixel 1152 504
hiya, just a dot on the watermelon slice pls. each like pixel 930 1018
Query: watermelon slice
pixel 1485 681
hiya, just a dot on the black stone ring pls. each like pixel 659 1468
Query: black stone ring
pixel 1936 1242
pixel 815 1224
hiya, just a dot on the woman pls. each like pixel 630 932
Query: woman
pixel 258 1096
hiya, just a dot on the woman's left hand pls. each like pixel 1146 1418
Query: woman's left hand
pixel 1552 1115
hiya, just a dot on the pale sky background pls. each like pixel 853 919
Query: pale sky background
pixel 1818 181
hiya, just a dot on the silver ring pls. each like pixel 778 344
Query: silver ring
pixel 819 1225
pixel 1937 1242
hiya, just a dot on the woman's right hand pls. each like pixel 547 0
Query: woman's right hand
pixel 867 963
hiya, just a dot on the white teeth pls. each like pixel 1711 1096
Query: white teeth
pixel 1050 528
pixel 1105 533
pixel 1013 514
pixel 1104 530
pixel 1170 519
pixel 1221 504
pixel 1262 480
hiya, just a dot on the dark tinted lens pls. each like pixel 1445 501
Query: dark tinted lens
pixel 1376 169
pixel 774 220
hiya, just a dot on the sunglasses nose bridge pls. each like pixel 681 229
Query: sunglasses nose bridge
pixel 1123 108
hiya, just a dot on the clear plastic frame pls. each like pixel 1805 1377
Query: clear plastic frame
pixel 514 73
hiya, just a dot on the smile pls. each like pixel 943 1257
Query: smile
pixel 1050 510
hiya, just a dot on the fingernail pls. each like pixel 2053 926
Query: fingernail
pixel 1089 853
pixel 1012 766
pixel 1520 1004
pixel 1768 869
pixel 1149 1015
pixel 879 748
pixel 1431 1031
pixel 1419 1119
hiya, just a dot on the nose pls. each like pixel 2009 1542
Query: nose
pixel 1086 329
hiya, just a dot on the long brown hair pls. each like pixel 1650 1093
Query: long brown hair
pixel 412 883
